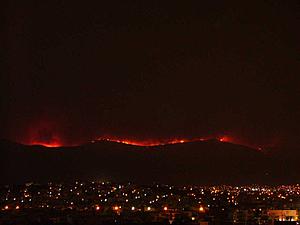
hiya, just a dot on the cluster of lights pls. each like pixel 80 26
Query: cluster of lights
pixel 100 196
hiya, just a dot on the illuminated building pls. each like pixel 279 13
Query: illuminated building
pixel 283 215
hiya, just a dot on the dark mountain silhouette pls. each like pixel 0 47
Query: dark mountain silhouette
pixel 203 162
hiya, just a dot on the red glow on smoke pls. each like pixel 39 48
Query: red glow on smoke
pixel 44 133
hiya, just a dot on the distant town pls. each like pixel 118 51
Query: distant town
pixel 127 203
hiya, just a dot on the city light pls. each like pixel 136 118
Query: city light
pixel 226 199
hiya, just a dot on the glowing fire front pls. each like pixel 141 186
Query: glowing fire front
pixel 156 143
pixel 47 144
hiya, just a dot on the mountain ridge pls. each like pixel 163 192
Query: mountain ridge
pixel 199 162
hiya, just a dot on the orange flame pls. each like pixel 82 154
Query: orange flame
pixel 53 144
pixel 149 143
pixel 156 143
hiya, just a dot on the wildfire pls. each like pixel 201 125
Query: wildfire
pixel 53 144
pixel 145 143
pixel 224 139
pixel 142 143
pixel 157 143
pixel 48 136
pixel 44 132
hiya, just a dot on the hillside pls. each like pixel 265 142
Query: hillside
pixel 202 162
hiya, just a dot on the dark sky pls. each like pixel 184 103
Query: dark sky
pixel 151 70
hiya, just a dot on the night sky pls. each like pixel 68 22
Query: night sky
pixel 151 70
